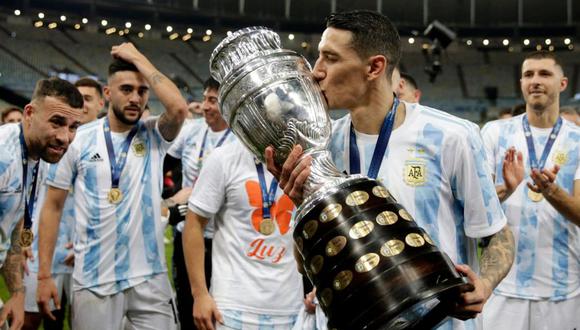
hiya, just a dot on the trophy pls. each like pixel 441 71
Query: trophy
pixel 372 265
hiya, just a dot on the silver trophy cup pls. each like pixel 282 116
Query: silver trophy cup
pixel 373 267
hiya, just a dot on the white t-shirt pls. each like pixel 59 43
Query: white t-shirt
pixel 251 272
pixel 187 147
pixel 547 264
pixel 116 246
pixel 12 192
pixel 434 166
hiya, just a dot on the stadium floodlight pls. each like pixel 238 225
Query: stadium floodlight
pixel 441 36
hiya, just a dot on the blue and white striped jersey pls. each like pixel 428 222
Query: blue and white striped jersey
pixel 12 193
pixel 116 246
pixel 434 166
pixel 547 264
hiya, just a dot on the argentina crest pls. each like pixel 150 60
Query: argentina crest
pixel 415 172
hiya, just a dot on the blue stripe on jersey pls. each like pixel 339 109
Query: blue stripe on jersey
pixel 485 184
pixel 448 325
pixel 560 258
pixel 233 319
pixel 93 255
pixel 427 197
pixel 526 254
pixel 458 212
pixel 265 322
pixel 152 253
pixel 122 255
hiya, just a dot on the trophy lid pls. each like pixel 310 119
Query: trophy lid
pixel 239 48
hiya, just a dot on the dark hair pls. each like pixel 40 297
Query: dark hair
pixel 60 89
pixel 7 111
pixel 409 79
pixel 565 109
pixel 505 111
pixel 543 54
pixel 518 109
pixel 372 34
pixel 211 83
pixel 121 65
pixel 89 82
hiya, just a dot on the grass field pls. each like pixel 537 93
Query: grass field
pixel 4 294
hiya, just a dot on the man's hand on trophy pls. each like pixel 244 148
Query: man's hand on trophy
pixel 471 303
pixel 292 175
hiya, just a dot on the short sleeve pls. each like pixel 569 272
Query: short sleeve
pixel 208 194
pixel 489 135
pixel 62 174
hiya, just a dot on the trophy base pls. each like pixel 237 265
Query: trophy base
pixel 374 268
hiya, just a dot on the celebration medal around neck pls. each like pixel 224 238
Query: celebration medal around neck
pixel 267 226
pixel 534 196
pixel 115 196
pixel 534 163
pixel 26 235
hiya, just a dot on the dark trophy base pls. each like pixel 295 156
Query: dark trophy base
pixel 372 265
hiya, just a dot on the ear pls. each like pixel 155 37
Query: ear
pixel 107 93
pixel 28 112
pixel 377 65
pixel 418 95
pixel 563 84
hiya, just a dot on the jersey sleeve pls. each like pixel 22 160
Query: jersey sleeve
pixel 474 189
pixel 208 194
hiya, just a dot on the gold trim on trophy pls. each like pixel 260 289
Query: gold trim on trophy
pixel 381 192
pixel 392 248
pixel 367 262
pixel 326 297
pixel 330 213
pixel 316 264
pixel 358 197
pixel 26 237
pixel 361 229
pixel 534 196
pixel 386 218
pixel 415 240
pixel 335 245
pixel 405 215
pixel 299 243
pixel 310 228
pixel 342 280
pixel 115 195
pixel 267 226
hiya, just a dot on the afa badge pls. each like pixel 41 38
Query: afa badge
pixel 415 172
pixel 560 157
pixel 139 148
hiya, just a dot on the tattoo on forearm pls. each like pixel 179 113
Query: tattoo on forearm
pixel 13 272
pixel 498 256
pixel 168 128
pixel 156 77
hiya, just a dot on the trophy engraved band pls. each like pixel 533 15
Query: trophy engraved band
pixel 372 265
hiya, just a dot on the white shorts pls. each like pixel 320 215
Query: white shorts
pixel 238 320
pixel 148 305
pixel 506 313
pixel 63 283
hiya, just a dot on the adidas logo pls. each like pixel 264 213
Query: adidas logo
pixel 96 158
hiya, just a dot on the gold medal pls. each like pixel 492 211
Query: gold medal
pixel 534 196
pixel 267 226
pixel 26 237
pixel 115 195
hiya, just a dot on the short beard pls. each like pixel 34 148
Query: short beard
pixel 121 116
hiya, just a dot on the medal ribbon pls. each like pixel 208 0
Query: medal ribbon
pixel 380 148
pixel 220 142
pixel 530 141
pixel 28 202
pixel 117 165
pixel 268 196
